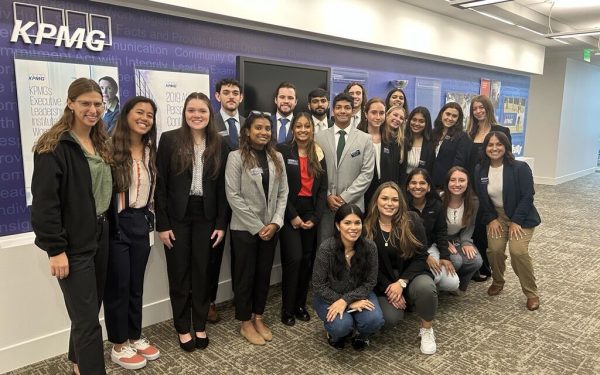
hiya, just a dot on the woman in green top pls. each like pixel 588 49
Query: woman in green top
pixel 71 189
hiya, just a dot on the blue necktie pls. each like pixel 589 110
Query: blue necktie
pixel 281 134
pixel 233 133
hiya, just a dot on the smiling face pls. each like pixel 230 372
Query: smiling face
pixel 259 133
pixel 388 202
pixel 230 97
pixel 449 117
pixel 318 106
pixel 303 130
pixel 141 118
pixel 350 228
pixel 376 114
pixel 395 119
pixel 356 92
pixel 418 186
pixel 286 101
pixel 397 98
pixel 417 123
pixel 479 111
pixel 342 113
pixel 458 182
pixel 87 109
pixel 495 150
pixel 197 114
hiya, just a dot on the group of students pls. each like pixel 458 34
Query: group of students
pixel 300 177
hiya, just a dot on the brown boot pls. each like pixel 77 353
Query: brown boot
pixel 213 314
pixel 262 329
pixel 251 335
pixel 495 289
pixel 533 303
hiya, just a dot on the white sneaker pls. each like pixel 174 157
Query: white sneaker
pixel 128 358
pixel 143 347
pixel 428 345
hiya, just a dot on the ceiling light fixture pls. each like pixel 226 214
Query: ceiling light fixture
pixel 530 30
pixel 467 4
pixel 561 41
pixel 572 34
pixel 494 17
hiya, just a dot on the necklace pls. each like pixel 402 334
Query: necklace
pixel 348 254
pixel 386 241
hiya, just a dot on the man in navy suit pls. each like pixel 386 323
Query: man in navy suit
pixel 318 104
pixel 229 93
pixel 281 122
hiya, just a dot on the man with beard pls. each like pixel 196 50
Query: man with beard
pixel 318 104
pixel 229 93
pixel 285 101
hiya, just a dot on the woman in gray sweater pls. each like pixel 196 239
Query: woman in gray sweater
pixel 344 275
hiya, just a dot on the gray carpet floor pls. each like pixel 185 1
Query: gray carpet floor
pixel 476 334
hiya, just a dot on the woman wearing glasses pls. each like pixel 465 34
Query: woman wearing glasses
pixel 191 213
pixel 71 189
pixel 257 191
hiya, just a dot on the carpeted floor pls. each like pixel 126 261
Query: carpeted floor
pixel 476 334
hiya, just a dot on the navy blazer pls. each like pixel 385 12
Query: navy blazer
pixel 173 188
pixel 475 154
pixel 222 129
pixel 275 128
pixel 517 194
pixel 289 151
pixel 389 168
pixel 453 152
pixel 425 161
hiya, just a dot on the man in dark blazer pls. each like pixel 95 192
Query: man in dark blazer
pixel 229 93
pixel 285 101
pixel 318 105
pixel 350 159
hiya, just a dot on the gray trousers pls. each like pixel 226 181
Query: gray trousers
pixel 421 292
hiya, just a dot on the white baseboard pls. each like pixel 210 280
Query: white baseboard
pixel 562 179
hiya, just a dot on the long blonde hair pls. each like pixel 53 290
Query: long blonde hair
pixel 49 140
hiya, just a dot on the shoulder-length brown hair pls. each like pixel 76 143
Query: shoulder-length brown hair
pixel 314 163
pixel 438 125
pixel 49 140
pixel 473 124
pixel 249 160
pixel 401 236
pixel 468 196
pixel 508 155
pixel 364 124
pixel 185 141
pixel 121 143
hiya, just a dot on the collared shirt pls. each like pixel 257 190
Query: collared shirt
pixel 278 116
pixel 226 117
pixel 355 120
pixel 336 131
pixel 320 124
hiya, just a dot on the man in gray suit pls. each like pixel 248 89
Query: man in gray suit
pixel 350 158
pixel 229 93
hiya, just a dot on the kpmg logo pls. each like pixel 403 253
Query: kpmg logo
pixel 68 28
pixel 37 77
pixel 171 84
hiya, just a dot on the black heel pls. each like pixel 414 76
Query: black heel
pixel 188 346
pixel 201 342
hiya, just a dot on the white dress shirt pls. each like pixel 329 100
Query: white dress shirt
pixel 226 117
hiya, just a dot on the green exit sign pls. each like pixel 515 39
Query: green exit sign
pixel 587 54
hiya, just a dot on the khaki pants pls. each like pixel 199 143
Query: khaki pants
pixel 519 256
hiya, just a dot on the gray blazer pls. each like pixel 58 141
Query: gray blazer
pixel 246 196
pixel 353 175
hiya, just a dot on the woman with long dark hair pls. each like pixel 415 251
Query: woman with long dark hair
pixel 344 275
pixel 452 144
pixel 423 200
pixel 402 252
pixel 505 189
pixel 191 213
pixel 71 189
pixel 131 218
pixel 396 97
pixel 418 148
pixel 460 205
pixel 257 190
pixel 307 181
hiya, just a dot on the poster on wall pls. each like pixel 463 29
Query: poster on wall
pixel 428 92
pixel 169 90
pixel 495 95
pixel 485 87
pixel 514 113
pixel 464 100
pixel 41 96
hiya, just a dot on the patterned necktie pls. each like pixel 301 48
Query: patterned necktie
pixel 281 133
pixel 233 133
pixel 341 144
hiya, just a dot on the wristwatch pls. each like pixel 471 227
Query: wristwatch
pixel 402 283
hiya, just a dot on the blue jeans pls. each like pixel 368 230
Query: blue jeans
pixel 365 322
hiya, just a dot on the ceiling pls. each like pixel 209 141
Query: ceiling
pixel 566 15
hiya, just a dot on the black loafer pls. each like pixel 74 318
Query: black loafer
pixel 302 314
pixel 201 342
pixel 188 346
pixel 287 319
pixel 338 344
pixel 359 344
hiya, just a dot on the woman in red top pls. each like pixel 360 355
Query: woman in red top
pixel 307 181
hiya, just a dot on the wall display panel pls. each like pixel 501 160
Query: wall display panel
pixel 42 97
pixel 169 90
pixel 428 94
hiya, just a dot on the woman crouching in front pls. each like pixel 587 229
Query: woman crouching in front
pixel 344 275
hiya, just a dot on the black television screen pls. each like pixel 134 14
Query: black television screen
pixel 260 78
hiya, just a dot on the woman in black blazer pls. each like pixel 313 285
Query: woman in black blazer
pixel 191 213
pixel 387 155
pixel 307 181
pixel 505 189
pixel 481 121
pixel 452 145
pixel 419 150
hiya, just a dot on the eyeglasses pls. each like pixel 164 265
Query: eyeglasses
pixel 85 104
pixel 259 113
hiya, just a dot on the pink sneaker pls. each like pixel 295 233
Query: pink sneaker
pixel 143 347
pixel 127 358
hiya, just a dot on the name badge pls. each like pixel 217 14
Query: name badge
pixel 447 137
pixel 224 133
pixel 292 162
pixel 421 163
pixel 355 153
pixel 386 150
pixel 485 180
pixel 256 171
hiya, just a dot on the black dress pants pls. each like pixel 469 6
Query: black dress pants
pixel 187 268
pixel 253 260
pixel 127 259
pixel 298 249
pixel 82 291
pixel 216 258
pixel 481 243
